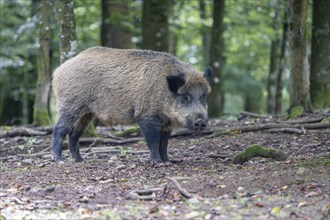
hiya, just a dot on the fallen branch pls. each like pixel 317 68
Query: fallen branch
pixel 222 131
pixel 22 132
pixel 109 141
pixel 182 190
pixel 287 130
pixel 146 194
pixel 111 151
pixel 254 115
pixel 307 121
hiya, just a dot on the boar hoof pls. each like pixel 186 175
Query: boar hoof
pixel 58 160
pixel 79 159
pixel 159 164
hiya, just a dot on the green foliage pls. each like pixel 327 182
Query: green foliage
pixel 248 35
pixel 256 150
pixel 41 118
pixel 129 131
pixel 90 131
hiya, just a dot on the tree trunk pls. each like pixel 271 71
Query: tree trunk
pixel 320 58
pixel 271 83
pixel 216 98
pixel 115 29
pixel 204 32
pixel 279 79
pixel 155 30
pixel 67 29
pixel 299 94
pixel 40 112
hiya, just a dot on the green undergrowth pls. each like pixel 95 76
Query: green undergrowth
pixel 41 118
pixel 128 132
pixel 256 150
pixel 295 112
pixel 90 131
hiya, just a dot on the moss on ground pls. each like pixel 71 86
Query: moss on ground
pixel 90 131
pixel 256 150
pixel 295 111
pixel 322 161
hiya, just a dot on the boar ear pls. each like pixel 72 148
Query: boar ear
pixel 175 82
pixel 208 73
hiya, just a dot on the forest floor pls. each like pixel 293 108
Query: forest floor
pixel 118 181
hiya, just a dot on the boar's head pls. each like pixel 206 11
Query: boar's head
pixel 190 92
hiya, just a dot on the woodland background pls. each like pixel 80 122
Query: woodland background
pixel 268 56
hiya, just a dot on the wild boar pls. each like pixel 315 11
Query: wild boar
pixel 153 89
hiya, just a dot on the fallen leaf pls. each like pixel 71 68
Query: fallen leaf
pixel 311 194
pixel 192 214
pixel 276 210
pixel 284 187
pixel 311 187
pixel 302 204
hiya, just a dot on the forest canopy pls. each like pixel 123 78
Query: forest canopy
pixel 245 42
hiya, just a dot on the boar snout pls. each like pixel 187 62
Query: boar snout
pixel 200 124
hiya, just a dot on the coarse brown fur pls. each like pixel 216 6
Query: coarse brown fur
pixel 122 86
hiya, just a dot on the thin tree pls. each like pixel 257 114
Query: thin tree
pixel 299 94
pixel 67 29
pixel 115 27
pixel 320 57
pixel 216 98
pixel 155 28
pixel 279 78
pixel 40 112
pixel 271 83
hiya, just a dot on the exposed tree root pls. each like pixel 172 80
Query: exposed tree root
pixel 182 190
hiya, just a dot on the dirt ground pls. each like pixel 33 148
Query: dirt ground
pixel 106 184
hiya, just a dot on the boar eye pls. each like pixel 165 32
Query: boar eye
pixel 187 98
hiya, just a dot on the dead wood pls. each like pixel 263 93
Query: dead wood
pixel 222 131
pixel 109 141
pixel 112 151
pixel 287 130
pixel 254 115
pixel 306 121
pixel 182 190
pixel 146 194
pixel 22 132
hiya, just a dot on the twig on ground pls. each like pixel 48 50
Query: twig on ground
pixel 182 190
pixel 115 152
pixel 146 194
pixel 109 141
pixel 286 130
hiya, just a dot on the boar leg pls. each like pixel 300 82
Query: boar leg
pixel 60 131
pixel 164 136
pixel 152 137
pixel 75 134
